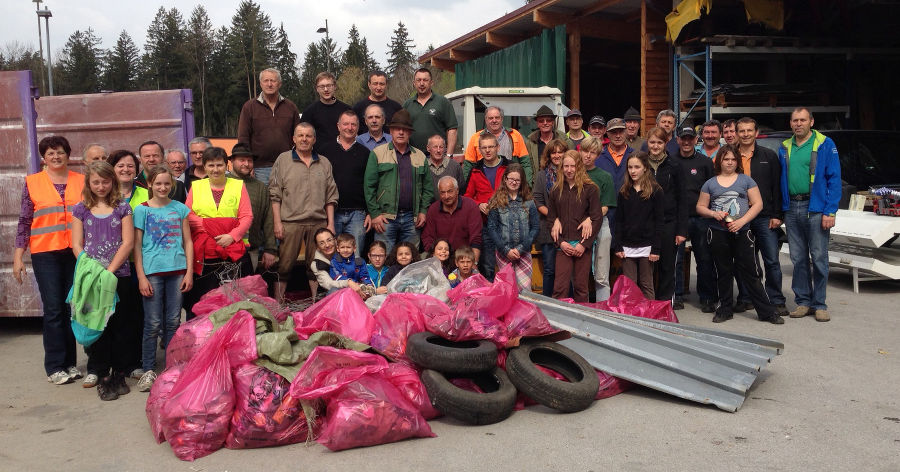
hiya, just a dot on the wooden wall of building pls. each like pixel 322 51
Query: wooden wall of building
pixel 655 65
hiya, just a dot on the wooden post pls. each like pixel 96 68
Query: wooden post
pixel 574 65
pixel 654 66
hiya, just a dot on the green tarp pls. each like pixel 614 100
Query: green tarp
pixel 534 62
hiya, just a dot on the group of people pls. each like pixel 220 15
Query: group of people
pixel 159 234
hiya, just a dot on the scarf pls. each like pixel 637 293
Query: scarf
pixel 656 161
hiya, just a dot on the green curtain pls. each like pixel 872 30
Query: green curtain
pixel 534 62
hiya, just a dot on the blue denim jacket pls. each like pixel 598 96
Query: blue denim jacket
pixel 515 226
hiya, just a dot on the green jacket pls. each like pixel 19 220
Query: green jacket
pixel 93 299
pixel 262 230
pixel 381 182
pixel 531 142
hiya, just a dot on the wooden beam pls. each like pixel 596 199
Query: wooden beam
pixel 502 40
pixel 599 6
pixel 444 64
pixel 462 56
pixel 654 67
pixel 574 66
pixel 549 19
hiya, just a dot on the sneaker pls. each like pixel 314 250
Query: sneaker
pixel 822 315
pixel 719 318
pixel 74 373
pixel 781 310
pixel 90 380
pixel 136 374
pixel 59 378
pixel 741 307
pixel 708 307
pixel 146 381
pixel 800 312
pixel 118 384
pixel 105 390
pixel 677 305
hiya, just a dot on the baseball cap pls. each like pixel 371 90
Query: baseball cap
pixel 687 131
pixel 614 124
pixel 573 112
pixel 597 120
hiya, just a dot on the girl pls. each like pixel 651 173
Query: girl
pixel 513 223
pixel 326 247
pixel 442 253
pixel 573 198
pixel 403 255
pixel 102 227
pixel 669 176
pixel 377 269
pixel 163 260
pixel 732 199
pixel 544 179
pixel 638 229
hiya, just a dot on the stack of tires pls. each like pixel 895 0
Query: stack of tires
pixel 443 361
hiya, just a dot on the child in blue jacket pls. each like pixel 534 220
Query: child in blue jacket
pixel 345 265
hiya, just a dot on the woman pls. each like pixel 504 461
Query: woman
pixel 732 200
pixel 573 198
pixel 125 165
pixel 220 217
pixel 45 222
pixel 513 223
pixel 321 265
pixel 544 179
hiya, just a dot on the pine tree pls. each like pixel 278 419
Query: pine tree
pixel 19 56
pixel 400 56
pixel 200 44
pixel 226 96
pixel 313 62
pixel 80 64
pixel 286 63
pixel 122 64
pixel 252 43
pixel 165 60
pixel 357 53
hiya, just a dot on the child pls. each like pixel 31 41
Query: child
pixel 442 253
pixel 403 255
pixel 639 219
pixel 513 223
pixel 465 266
pixel 376 267
pixel 103 228
pixel 344 263
pixel 163 260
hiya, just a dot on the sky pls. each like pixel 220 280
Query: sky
pixel 428 21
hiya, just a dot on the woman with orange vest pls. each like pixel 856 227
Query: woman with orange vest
pixel 220 217
pixel 45 228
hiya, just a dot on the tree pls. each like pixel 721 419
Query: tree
pixel 18 56
pixel 225 94
pixel 314 61
pixel 400 56
pixel 122 65
pixel 357 53
pixel 165 61
pixel 200 44
pixel 351 85
pixel 80 64
pixel 252 43
pixel 286 63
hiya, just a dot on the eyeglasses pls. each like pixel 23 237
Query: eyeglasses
pixel 325 241
pixel 513 181
pixel 325 87
pixel 376 256
pixel 484 148
pixel 545 120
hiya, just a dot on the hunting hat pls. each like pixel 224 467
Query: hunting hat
pixel 544 110
pixel 632 114
pixel 401 119
pixel 242 150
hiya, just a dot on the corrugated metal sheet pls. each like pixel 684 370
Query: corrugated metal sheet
pixel 698 364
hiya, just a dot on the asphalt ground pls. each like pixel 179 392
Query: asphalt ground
pixel 829 402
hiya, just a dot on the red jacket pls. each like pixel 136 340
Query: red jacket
pixel 479 188
pixel 205 246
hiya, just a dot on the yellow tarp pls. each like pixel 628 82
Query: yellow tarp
pixel 686 12
pixel 767 12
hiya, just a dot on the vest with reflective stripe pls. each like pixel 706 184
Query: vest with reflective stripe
pixel 205 206
pixel 818 138
pixel 52 223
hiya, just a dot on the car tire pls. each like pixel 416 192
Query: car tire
pixel 492 406
pixel 431 351
pixel 575 395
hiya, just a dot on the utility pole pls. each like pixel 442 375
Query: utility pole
pixel 46 15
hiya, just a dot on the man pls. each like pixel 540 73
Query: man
pixel 348 160
pixel 633 137
pixel 262 231
pixel 575 134
pixel 374 120
pixel 597 129
pixel 440 164
pixel 431 113
pixel 711 134
pixel 324 113
pixel 729 132
pixel 196 171
pixel 177 162
pixel 538 139
pixel 666 120
pixel 487 175
pixel 377 96
pixel 396 186
pixel 614 160
pixel 303 195
pixel 810 191
pixel 267 124
pixel 761 164
pixel 151 155
pixel 696 170
pixel 93 152
pixel 511 142
pixel 454 218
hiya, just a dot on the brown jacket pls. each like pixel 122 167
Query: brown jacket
pixel 268 132
pixel 572 210
pixel 302 191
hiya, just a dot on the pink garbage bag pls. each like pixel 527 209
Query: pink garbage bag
pixel 371 411
pixel 401 315
pixel 265 413
pixel 187 340
pixel 627 298
pixel 327 369
pixel 245 288
pixel 408 382
pixel 477 310
pixel 342 312
pixel 196 418
pixel 525 319
pixel 159 395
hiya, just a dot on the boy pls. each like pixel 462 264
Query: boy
pixel 345 265
pixel 465 266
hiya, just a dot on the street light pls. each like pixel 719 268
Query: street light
pixel 45 14
pixel 327 42
pixel 37 7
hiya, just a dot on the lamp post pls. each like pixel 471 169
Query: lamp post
pixel 37 7
pixel 327 42
pixel 45 14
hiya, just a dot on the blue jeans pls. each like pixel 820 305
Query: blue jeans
pixel 706 278
pixel 401 228
pixel 351 221
pixel 809 247
pixel 767 247
pixel 262 174
pixel 548 254
pixel 162 312
pixel 54 271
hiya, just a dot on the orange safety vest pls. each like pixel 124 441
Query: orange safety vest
pixel 51 228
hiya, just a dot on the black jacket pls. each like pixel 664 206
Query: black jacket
pixel 638 222
pixel 765 170
pixel 696 169
pixel 669 176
